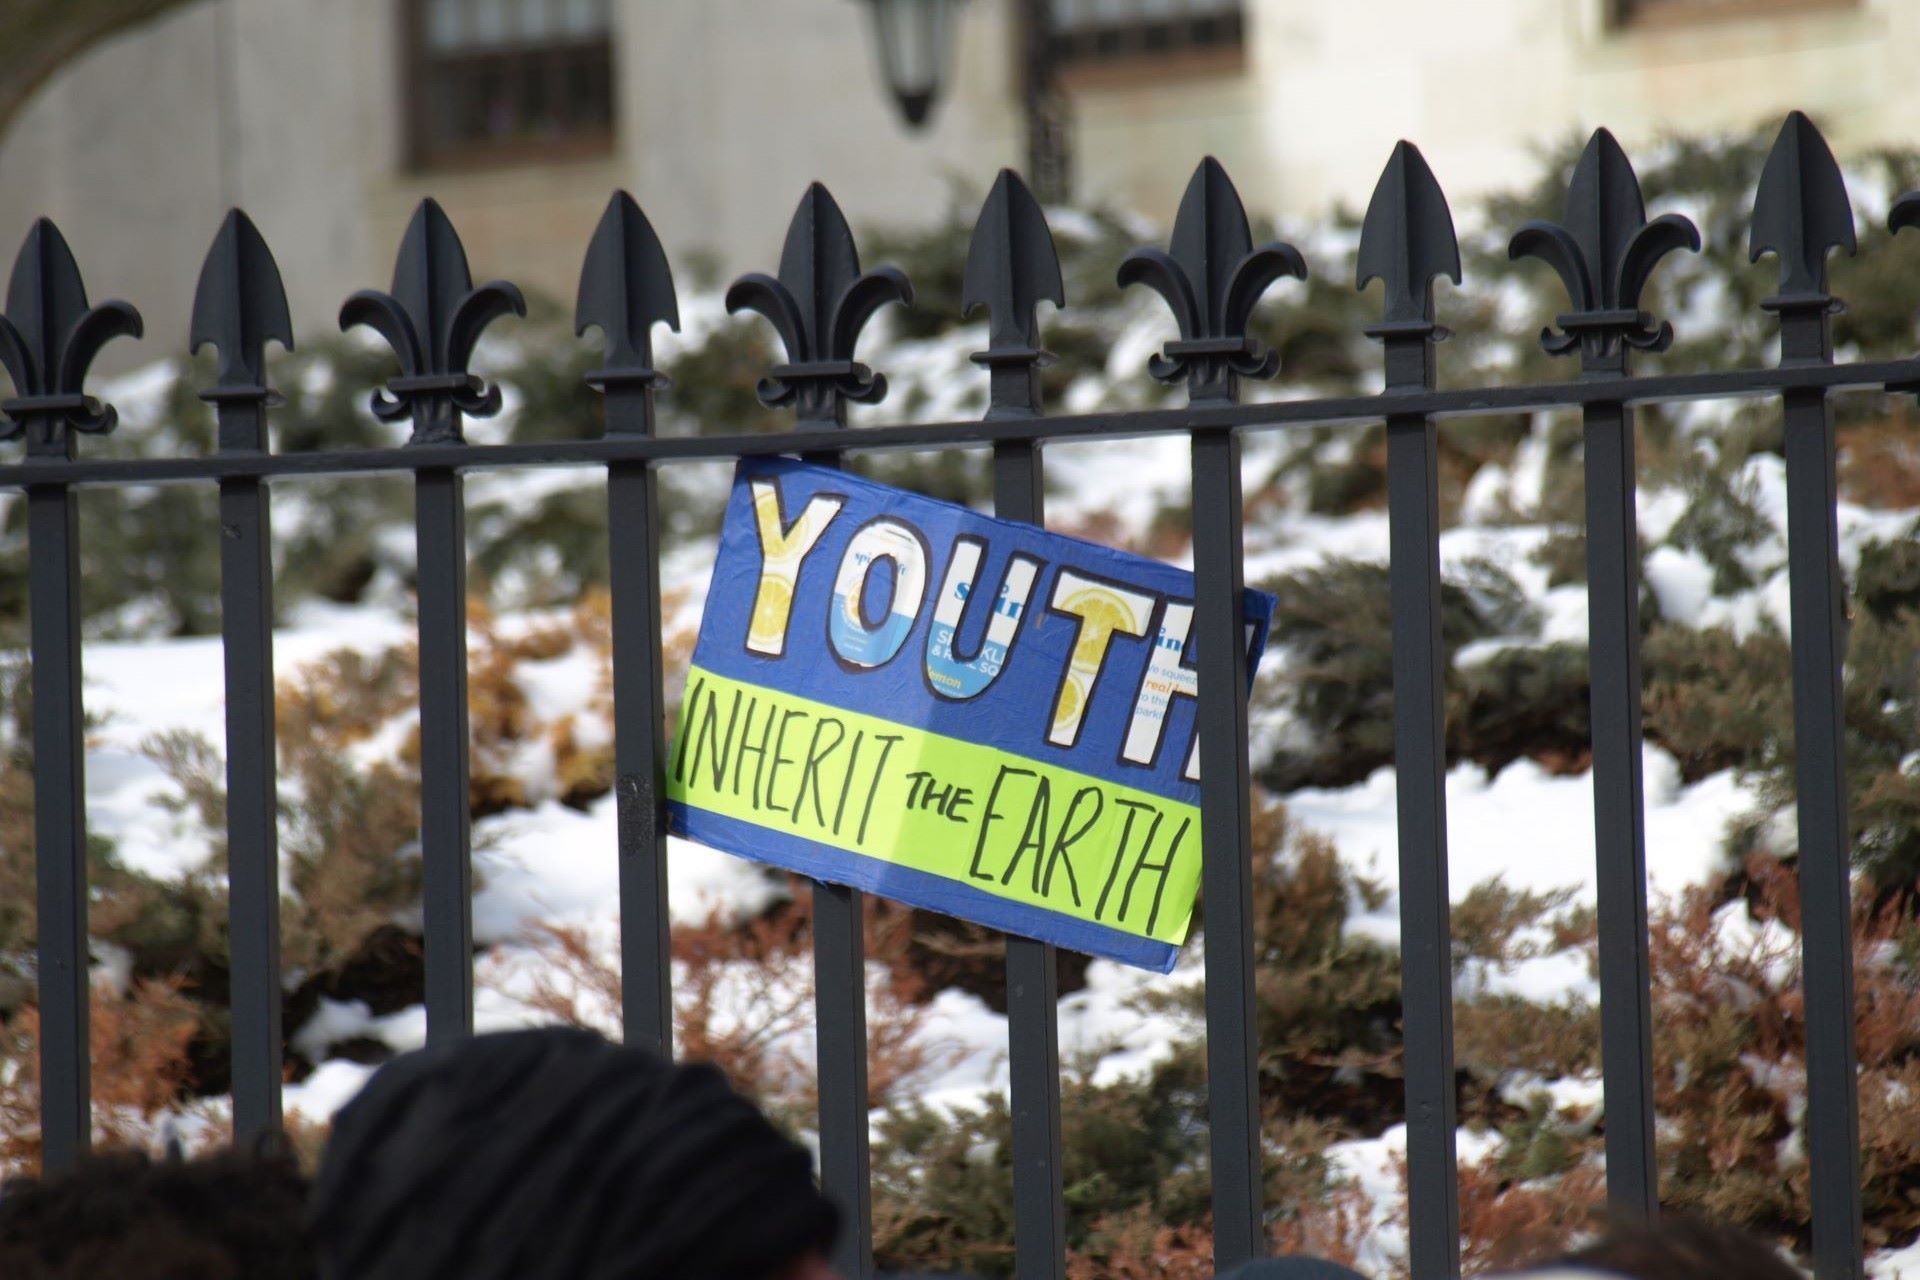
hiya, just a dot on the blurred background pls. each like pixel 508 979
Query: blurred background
pixel 328 121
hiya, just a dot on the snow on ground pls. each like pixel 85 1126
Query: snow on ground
pixel 1530 828
pixel 1895 1264
pixel 1374 1164
pixel 558 865
pixel 330 1087
pixel 141 688
pixel 552 865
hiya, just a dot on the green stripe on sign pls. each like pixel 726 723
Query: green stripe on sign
pixel 998 822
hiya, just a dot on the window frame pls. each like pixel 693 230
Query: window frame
pixel 1169 44
pixel 422 152
pixel 1678 15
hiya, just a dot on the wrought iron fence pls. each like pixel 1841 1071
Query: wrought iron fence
pixel 1211 276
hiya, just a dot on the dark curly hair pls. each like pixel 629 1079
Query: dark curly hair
pixel 224 1216
pixel 1681 1247
pixel 551 1154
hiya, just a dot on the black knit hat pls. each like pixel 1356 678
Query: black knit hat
pixel 552 1153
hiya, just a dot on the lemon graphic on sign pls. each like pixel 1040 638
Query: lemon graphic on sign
pixel 1073 695
pixel 770 609
pixel 767 507
pixel 1104 612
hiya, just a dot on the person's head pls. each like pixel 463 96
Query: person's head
pixel 225 1216
pixel 552 1153
pixel 1676 1247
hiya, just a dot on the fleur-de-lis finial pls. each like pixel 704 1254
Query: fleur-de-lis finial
pixel 1211 281
pixel 1604 250
pixel 1012 267
pixel 819 304
pixel 432 320
pixel 626 287
pixel 49 337
pixel 239 306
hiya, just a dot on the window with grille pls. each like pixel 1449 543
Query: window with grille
pixel 503 80
pixel 1673 13
pixel 1093 31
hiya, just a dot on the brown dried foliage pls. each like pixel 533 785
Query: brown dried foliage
pixel 1332 1223
pixel 1879 465
pixel 1134 1246
pixel 760 973
pixel 1505 1223
pixel 1730 1038
pixel 356 814
pixel 1729 1078
pixel 138 1045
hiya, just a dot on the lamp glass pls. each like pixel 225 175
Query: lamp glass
pixel 915 38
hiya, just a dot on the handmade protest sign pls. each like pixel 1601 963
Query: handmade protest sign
pixel 964 714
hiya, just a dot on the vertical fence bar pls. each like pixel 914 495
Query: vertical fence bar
pixel 840 1004
pixel 1211 280
pixel 1819 741
pixel 446 835
pixel 240 305
pixel 1626 1014
pixel 1420 772
pixel 819 304
pixel 52 337
pixel 1226 832
pixel 1619 810
pixel 432 319
pixel 1033 996
pixel 625 289
pixel 640 752
pixel 1406 241
pixel 840 972
pixel 1012 266
pixel 59 829
pixel 1817 611
pixel 1801 213
pixel 253 850
pixel 1604 252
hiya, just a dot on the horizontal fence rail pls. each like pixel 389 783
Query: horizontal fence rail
pixel 1332 411
pixel 1211 275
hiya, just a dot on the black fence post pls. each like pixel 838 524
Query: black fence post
pixel 819 304
pixel 1406 241
pixel 626 288
pixel 1012 267
pixel 1800 214
pixel 432 319
pixel 45 304
pixel 1211 280
pixel 48 338
pixel 60 833
pixel 238 308
pixel 1604 252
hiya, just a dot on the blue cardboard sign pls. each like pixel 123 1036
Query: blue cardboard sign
pixel 965 714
